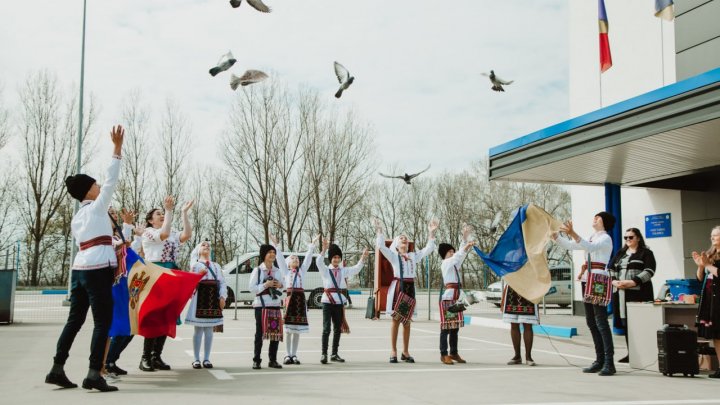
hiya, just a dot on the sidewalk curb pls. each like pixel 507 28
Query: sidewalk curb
pixel 550 330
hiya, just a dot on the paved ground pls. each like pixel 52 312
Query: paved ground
pixel 27 350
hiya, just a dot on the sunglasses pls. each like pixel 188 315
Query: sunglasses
pixel 631 237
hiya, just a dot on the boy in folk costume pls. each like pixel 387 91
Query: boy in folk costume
pixel 333 299
pixel 208 301
pixel 401 293
pixel 451 322
pixel 93 271
pixel 266 283
pixel 295 320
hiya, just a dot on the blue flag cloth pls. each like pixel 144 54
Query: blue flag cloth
pixel 509 255
pixel 121 314
pixel 520 254
pixel 664 9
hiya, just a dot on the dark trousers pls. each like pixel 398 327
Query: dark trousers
pixel 453 335
pixel 334 313
pixel 596 318
pixel 153 347
pixel 89 289
pixel 273 349
pixel 117 345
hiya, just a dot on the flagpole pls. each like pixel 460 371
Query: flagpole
pixel 662 51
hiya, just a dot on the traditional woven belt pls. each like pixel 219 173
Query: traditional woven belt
pixel 105 240
pixel 598 265
pixel 405 280
pixel 452 285
pixel 289 290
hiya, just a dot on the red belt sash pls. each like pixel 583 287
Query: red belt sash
pixel 104 240
pixel 329 291
pixel 597 266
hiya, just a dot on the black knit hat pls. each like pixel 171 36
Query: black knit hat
pixel 608 220
pixel 264 250
pixel 79 185
pixel 334 250
pixel 444 248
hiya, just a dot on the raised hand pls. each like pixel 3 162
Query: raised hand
pixel 469 245
pixel 365 254
pixel 186 207
pixel 315 239
pixel 325 245
pixel 377 225
pixel 466 231
pixel 433 226
pixel 139 229
pixel 169 203
pixel 117 135
pixel 127 216
pixel 274 239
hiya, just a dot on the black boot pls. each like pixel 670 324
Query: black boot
pixel 146 363
pixel 596 366
pixel 59 379
pixel 158 363
pixel 608 366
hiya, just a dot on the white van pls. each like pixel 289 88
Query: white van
pixel 313 282
pixel 558 294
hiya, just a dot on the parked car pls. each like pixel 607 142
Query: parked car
pixel 312 284
pixel 559 293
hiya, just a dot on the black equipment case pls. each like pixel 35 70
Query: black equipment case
pixel 677 350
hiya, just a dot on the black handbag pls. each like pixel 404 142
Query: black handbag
pixel 370 310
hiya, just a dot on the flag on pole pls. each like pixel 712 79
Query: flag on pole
pixel 605 57
pixel 156 296
pixel 520 257
pixel 664 9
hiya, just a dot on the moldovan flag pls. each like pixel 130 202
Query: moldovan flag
pixel 520 256
pixel 157 296
pixel 605 57
pixel 121 313
pixel 664 9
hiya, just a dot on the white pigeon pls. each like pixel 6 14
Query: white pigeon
pixel 226 61
pixel 497 83
pixel 249 77
pixel 343 77
pixel 256 4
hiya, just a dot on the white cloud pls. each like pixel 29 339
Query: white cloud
pixel 417 63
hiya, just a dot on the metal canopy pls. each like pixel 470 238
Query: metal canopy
pixel 667 133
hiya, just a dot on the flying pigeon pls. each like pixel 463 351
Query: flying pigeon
pixel 226 61
pixel 497 83
pixel 256 4
pixel 495 222
pixel 249 77
pixel 407 177
pixel 344 78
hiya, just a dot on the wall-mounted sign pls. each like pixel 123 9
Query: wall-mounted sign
pixel 658 226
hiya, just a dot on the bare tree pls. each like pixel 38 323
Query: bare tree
pixel 175 146
pixel 133 188
pixel 46 124
pixel 4 121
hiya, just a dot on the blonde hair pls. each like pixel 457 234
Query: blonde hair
pixel 713 253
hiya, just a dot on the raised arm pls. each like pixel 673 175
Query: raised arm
pixel 351 271
pixel 320 260
pixel 104 199
pixel 432 227
pixel 187 227
pixel 165 229
pixel 279 256
pixel 307 261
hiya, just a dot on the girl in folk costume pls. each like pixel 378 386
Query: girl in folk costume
pixel 401 293
pixel 295 319
pixel 266 283
pixel 517 310
pixel 205 311
pixel 161 246
pixel 333 299
pixel 451 322
pixel 599 250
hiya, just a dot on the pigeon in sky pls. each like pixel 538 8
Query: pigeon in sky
pixel 249 77
pixel 226 61
pixel 344 78
pixel 497 83
pixel 256 4
pixel 407 177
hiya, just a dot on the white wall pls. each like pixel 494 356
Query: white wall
pixel 642 48
pixel 636 204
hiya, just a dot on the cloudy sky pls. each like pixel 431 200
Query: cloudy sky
pixel 417 63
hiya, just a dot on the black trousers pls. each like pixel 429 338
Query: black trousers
pixel 596 318
pixel 273 349
pixel 153 347
pixel 89 289
pixel 453 335
pixel 334 313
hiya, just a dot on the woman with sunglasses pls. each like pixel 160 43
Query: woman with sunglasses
pixel 632 269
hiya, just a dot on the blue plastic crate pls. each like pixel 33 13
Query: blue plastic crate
pixel 686 286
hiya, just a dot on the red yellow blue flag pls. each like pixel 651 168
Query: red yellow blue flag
pixel 605 57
